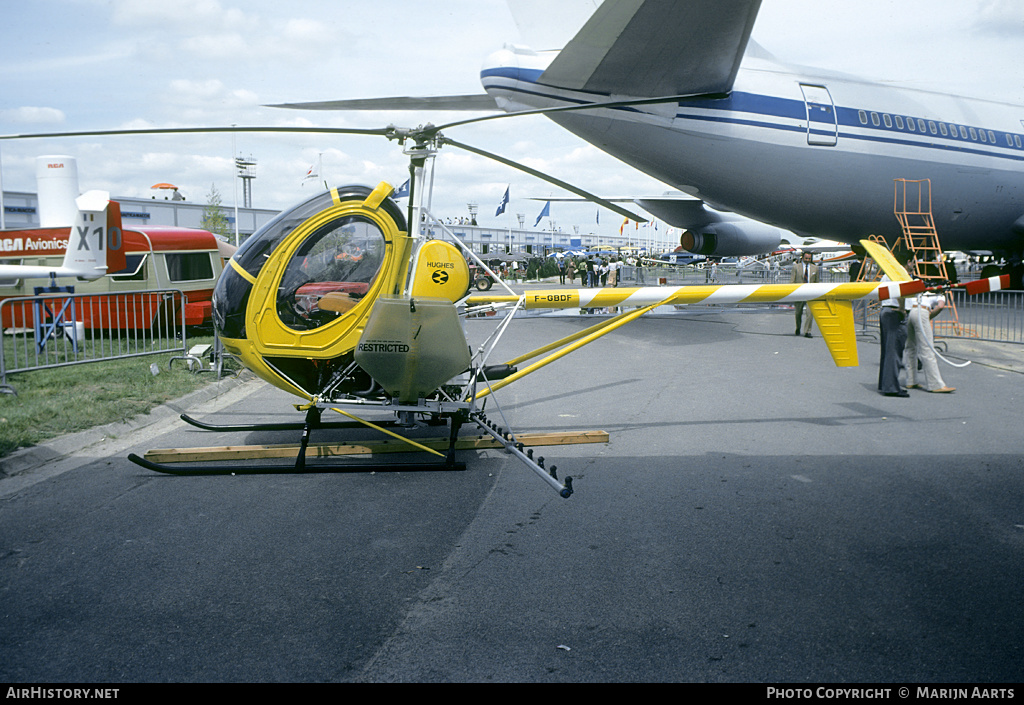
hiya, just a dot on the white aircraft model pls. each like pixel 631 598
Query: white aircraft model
pixel 684 99
pixel 95 233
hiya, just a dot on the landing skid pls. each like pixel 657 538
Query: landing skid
pixel 504 439
pixel 295 469
pixel 313 422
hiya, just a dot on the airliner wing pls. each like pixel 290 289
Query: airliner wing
pixel 678 211
pixel 652 48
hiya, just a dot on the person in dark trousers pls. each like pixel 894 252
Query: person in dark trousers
pixel 893 326
pixel 804 272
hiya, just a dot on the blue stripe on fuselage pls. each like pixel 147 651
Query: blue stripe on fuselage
pixel 753 106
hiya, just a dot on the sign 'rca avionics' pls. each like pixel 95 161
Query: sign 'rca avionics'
pixel 29 243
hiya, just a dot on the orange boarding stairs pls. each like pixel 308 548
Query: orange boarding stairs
pixel 913 208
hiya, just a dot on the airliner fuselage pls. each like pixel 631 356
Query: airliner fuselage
pixel 807 151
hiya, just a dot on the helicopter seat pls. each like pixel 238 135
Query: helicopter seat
pixel 338 297
pixel 337 302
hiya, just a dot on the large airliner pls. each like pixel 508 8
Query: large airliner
pixel 804 150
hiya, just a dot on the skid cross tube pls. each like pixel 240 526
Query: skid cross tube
pixel 602 329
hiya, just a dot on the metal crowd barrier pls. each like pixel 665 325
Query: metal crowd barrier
pixel 996 316
pixel 56 329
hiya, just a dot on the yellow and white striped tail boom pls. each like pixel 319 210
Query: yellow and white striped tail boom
pixel 831 304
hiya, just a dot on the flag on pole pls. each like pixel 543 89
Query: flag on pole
pixel 315 171
pixel 403 190
pixel 545 213
pixel 504 202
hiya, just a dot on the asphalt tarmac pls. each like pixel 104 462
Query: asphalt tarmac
pixel 757 516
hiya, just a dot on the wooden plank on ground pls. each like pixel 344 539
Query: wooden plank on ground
pixel 327 450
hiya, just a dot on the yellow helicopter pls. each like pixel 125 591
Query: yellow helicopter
pixel 344 303
pixel 339 302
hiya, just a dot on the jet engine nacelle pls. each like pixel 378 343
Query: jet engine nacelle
pixel 731 239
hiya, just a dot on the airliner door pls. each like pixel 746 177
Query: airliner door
pixel 822 127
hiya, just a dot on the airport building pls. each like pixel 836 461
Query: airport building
pixel 58 187
pixel 167 207
pixel 486 240
pixel 21 210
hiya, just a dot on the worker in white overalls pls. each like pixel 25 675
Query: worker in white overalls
pixel 920 344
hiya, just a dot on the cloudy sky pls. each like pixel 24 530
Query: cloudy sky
pixel 104 64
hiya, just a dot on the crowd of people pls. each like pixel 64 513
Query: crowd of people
pixel 597 271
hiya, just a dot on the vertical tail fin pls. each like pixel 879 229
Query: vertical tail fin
pixel 95 243
pixel 835 321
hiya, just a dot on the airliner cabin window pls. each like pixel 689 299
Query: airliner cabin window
pixel 991 137
pixel 899 123
pixel 983 137
pixel 887 119
pixel 943 130
pixel 863 117
pixel 974 134
pixel 963 132
pixel 932 128
pixel 874 119
pixel 920 124
pixel 1016 141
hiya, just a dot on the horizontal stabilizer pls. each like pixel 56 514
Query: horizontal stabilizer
pixel 889 264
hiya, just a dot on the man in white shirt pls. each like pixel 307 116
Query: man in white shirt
pixel 920 344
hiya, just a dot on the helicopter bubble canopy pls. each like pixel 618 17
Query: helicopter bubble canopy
pixel 330 272
pixel 293 300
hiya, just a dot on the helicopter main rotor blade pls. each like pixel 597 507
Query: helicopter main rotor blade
pixel 580 107
pixel 391 132
pixel 378 132
pixel 441 139
pixel 476 102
